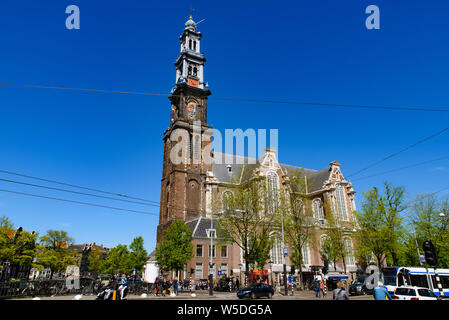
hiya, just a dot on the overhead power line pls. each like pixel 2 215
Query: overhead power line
pixel 399 152
pixel 310 103
pixel 77 186
pixel 401 168
pixel 77 202
pixel 76 192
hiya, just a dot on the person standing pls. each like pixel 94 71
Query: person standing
pixel 175 285
pixel 340 293
pixel 381 292
pixel 323 289
pixel 317 287
pixel 237 284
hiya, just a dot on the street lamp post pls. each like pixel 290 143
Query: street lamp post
pixel 211 277
pixel 283 256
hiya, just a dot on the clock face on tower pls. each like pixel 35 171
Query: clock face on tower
pixel 191 109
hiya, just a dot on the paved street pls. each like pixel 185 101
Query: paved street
pixel 203 295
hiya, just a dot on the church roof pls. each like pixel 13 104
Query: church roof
pixel 226 171
pixel 200 225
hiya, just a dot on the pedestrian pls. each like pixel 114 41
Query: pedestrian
pixel 323 289
pixel 237 284
pixel 317 287
pixel 340 293
pixel 175 285
pixel 381 292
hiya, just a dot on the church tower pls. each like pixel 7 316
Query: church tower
pixel 183 184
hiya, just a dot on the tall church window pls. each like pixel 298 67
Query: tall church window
pixel 194 45
pixel 195 71
pixel 193 196
pixel 190 44
pixel 189 70
pixel 349 253
pixel 318 209
pixel 305 254
pixel 341 203
pixel 227 197
pixel 272 180
pixel 276 252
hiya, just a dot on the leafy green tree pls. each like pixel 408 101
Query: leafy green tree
pixel 139 255
pixel 371 233
pixel 55 253
pixel 6 232
pixel 335 234
pixel 299 227
pixel 56 239
pixel 176 248
pixel 429 225
pixel 118 261
pixel 381 224
pixel 17 246
pixel 248 218
pixel 96 261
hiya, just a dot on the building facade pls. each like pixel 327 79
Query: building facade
pixel 192 190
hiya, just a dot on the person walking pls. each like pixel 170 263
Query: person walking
pixel 340 293
pixel 237 284
pixel 381 292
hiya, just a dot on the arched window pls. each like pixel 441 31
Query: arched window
pixel 349 253
pixel 305 254
pixel 324 245
pixel 341 203
pixel 190 44
pixel 195 71
pixel 226 198
pixel 194 45
pixel 193 196
pixel 318 209
pixel 272 180
pixel 298 207
pixel 276 251
pixel 189 70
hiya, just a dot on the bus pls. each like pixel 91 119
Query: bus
pixel 394 277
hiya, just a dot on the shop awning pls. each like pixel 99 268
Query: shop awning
pixel 336 276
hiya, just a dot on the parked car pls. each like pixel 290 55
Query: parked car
pixel 414 293
pixel 358 287
pixel 255 291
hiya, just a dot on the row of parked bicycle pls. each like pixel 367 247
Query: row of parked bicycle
pixel 23 288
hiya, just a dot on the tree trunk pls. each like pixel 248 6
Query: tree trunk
pixel 301 280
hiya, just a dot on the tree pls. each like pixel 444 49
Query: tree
pixel 336 233
pixel 96 261
pixel 55 253
pixel 6 234
pixel 299 227
pixel 248 218
pixel 118 261
pixel 17 246
pixel 381 224
pixel 176 248
pixel 139 255
pixel 371 228
pixel 56 239
pixel 429 225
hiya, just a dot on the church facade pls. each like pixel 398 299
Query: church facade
pixel 191 190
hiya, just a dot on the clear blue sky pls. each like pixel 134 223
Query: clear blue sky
pixel 297 50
